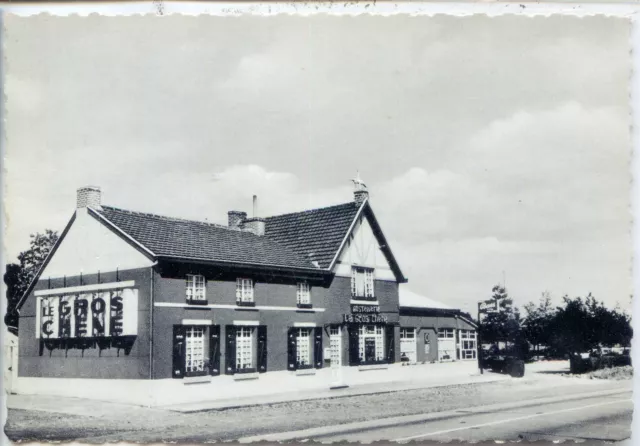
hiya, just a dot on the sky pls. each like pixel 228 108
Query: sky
pixel 494 148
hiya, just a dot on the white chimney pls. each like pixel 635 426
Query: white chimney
pixel 89 196
pixel 360 192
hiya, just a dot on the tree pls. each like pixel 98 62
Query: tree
pixel 18 276
pixel 502 325
pixel 535 326
pixel 584 325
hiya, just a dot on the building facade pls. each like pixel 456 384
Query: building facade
pixel 136 296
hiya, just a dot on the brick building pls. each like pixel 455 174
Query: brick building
pixel 133 296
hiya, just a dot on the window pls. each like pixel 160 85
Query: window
pixel 303 295
pixel 244 348
pixel 371 343
pixel 303 347
pixel 446 333
pixel 468 344
pixel 244 291
pixel 195 350
pixel 196 289
pixel 362 282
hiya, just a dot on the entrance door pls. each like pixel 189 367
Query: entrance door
pixel 369 349
pixel 408 344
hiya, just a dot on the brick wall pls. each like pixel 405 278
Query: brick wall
pixel 90 362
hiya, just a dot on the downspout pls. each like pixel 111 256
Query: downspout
pixel 151 300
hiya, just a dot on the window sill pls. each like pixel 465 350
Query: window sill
pixel 245 376
pixel 197 303
pixel 245 304
pixel 364 301
pixel 305 306
pixel 196 379
pixel 305 372
pixel 363 368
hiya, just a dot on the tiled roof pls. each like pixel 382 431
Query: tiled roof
pixel 315 234
pixel 173 237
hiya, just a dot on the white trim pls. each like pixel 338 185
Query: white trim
pixel 236 307
pixel 304 324
pixel 247 323
pixel 364 302
pixel 85 288
pixel 364 368
pixel 197 322
pixel 196 379
pixel 346 237
pixel 243 376
pixel 134 241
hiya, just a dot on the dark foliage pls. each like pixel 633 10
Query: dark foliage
pixel 19 275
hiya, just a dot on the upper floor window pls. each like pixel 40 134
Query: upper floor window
pixel 362 282
pixel 195 288
pixel 303 295
pixel 244 290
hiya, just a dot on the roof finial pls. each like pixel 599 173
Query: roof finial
pixel 357 182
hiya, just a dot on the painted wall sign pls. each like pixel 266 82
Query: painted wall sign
pixel 88 315
pixel 365 309
pixel 365 318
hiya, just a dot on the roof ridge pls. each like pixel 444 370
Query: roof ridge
pixel 308 211
pixel 166 217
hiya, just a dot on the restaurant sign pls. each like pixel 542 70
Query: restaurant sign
pixel 95 314
pixel 365 314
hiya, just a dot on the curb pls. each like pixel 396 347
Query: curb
pixel 290 399
pixel 318 432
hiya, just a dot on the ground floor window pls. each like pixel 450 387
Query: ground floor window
pixel 408 344
pixel 371 343
pixel 446 344
pixel 305 348
pixel 468 344
pixel 244 348
pixel 195 350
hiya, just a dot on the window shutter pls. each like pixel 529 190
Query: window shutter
pixel 291 350
pixel 354 357
pixel 262 348
pixel 230 352
pixel 317 348
pixel 214 350
pixel 178 351
pixel 389 341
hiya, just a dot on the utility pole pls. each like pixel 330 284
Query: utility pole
pixel 479 341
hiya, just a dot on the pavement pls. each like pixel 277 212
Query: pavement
pixel 429 378
pixel 601 415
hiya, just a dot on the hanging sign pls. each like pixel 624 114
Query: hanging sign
pixel 88 315
pixel 488 306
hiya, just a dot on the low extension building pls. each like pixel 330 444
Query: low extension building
pixel 139 297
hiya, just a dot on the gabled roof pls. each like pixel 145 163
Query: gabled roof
pixel 188 239
pixel 316 234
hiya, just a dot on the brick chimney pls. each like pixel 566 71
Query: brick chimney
pixel 89 196
pixel 236 219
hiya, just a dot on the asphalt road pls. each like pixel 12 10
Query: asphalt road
pixel 598 418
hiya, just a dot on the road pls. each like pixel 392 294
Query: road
pixel 541 404
pixel 602 418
